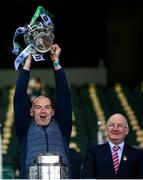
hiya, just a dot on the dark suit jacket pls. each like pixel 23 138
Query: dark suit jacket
pixel 98 163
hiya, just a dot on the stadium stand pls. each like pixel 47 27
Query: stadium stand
pixel 92 105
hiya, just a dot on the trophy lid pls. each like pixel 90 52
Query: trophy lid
pixel 48 158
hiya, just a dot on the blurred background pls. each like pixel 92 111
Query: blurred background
pixel 88 33
pixel 102 53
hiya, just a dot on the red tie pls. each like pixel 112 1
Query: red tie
pixel 115 158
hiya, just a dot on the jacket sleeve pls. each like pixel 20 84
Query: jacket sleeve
pixel 21 104
pixel 63 113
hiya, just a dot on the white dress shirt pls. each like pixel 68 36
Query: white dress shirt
pixel 120 150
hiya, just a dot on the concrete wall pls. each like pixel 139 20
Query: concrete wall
pixel 76 76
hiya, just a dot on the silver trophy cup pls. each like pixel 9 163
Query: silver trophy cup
pixel 48 166
pixel 40 36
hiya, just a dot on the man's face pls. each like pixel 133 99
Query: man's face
pixel 117 128
pixel 42 111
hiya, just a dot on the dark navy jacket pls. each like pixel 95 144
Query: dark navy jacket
pixel 99 165
pixel 37 138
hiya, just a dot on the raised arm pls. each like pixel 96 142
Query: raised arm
pixel 63 112
pixel 21 100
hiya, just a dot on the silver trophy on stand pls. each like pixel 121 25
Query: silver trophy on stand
pixel 48 166
pixel 38 36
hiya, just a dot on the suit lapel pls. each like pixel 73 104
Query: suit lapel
pixel 124 158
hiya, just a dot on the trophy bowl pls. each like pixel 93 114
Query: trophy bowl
pixel 41 36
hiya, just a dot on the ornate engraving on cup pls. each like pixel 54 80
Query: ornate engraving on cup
pixel 41 36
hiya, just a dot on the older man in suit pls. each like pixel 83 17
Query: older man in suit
pixel 114 159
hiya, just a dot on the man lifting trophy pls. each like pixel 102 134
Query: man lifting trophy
pixel 38 36
pixel 43 132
